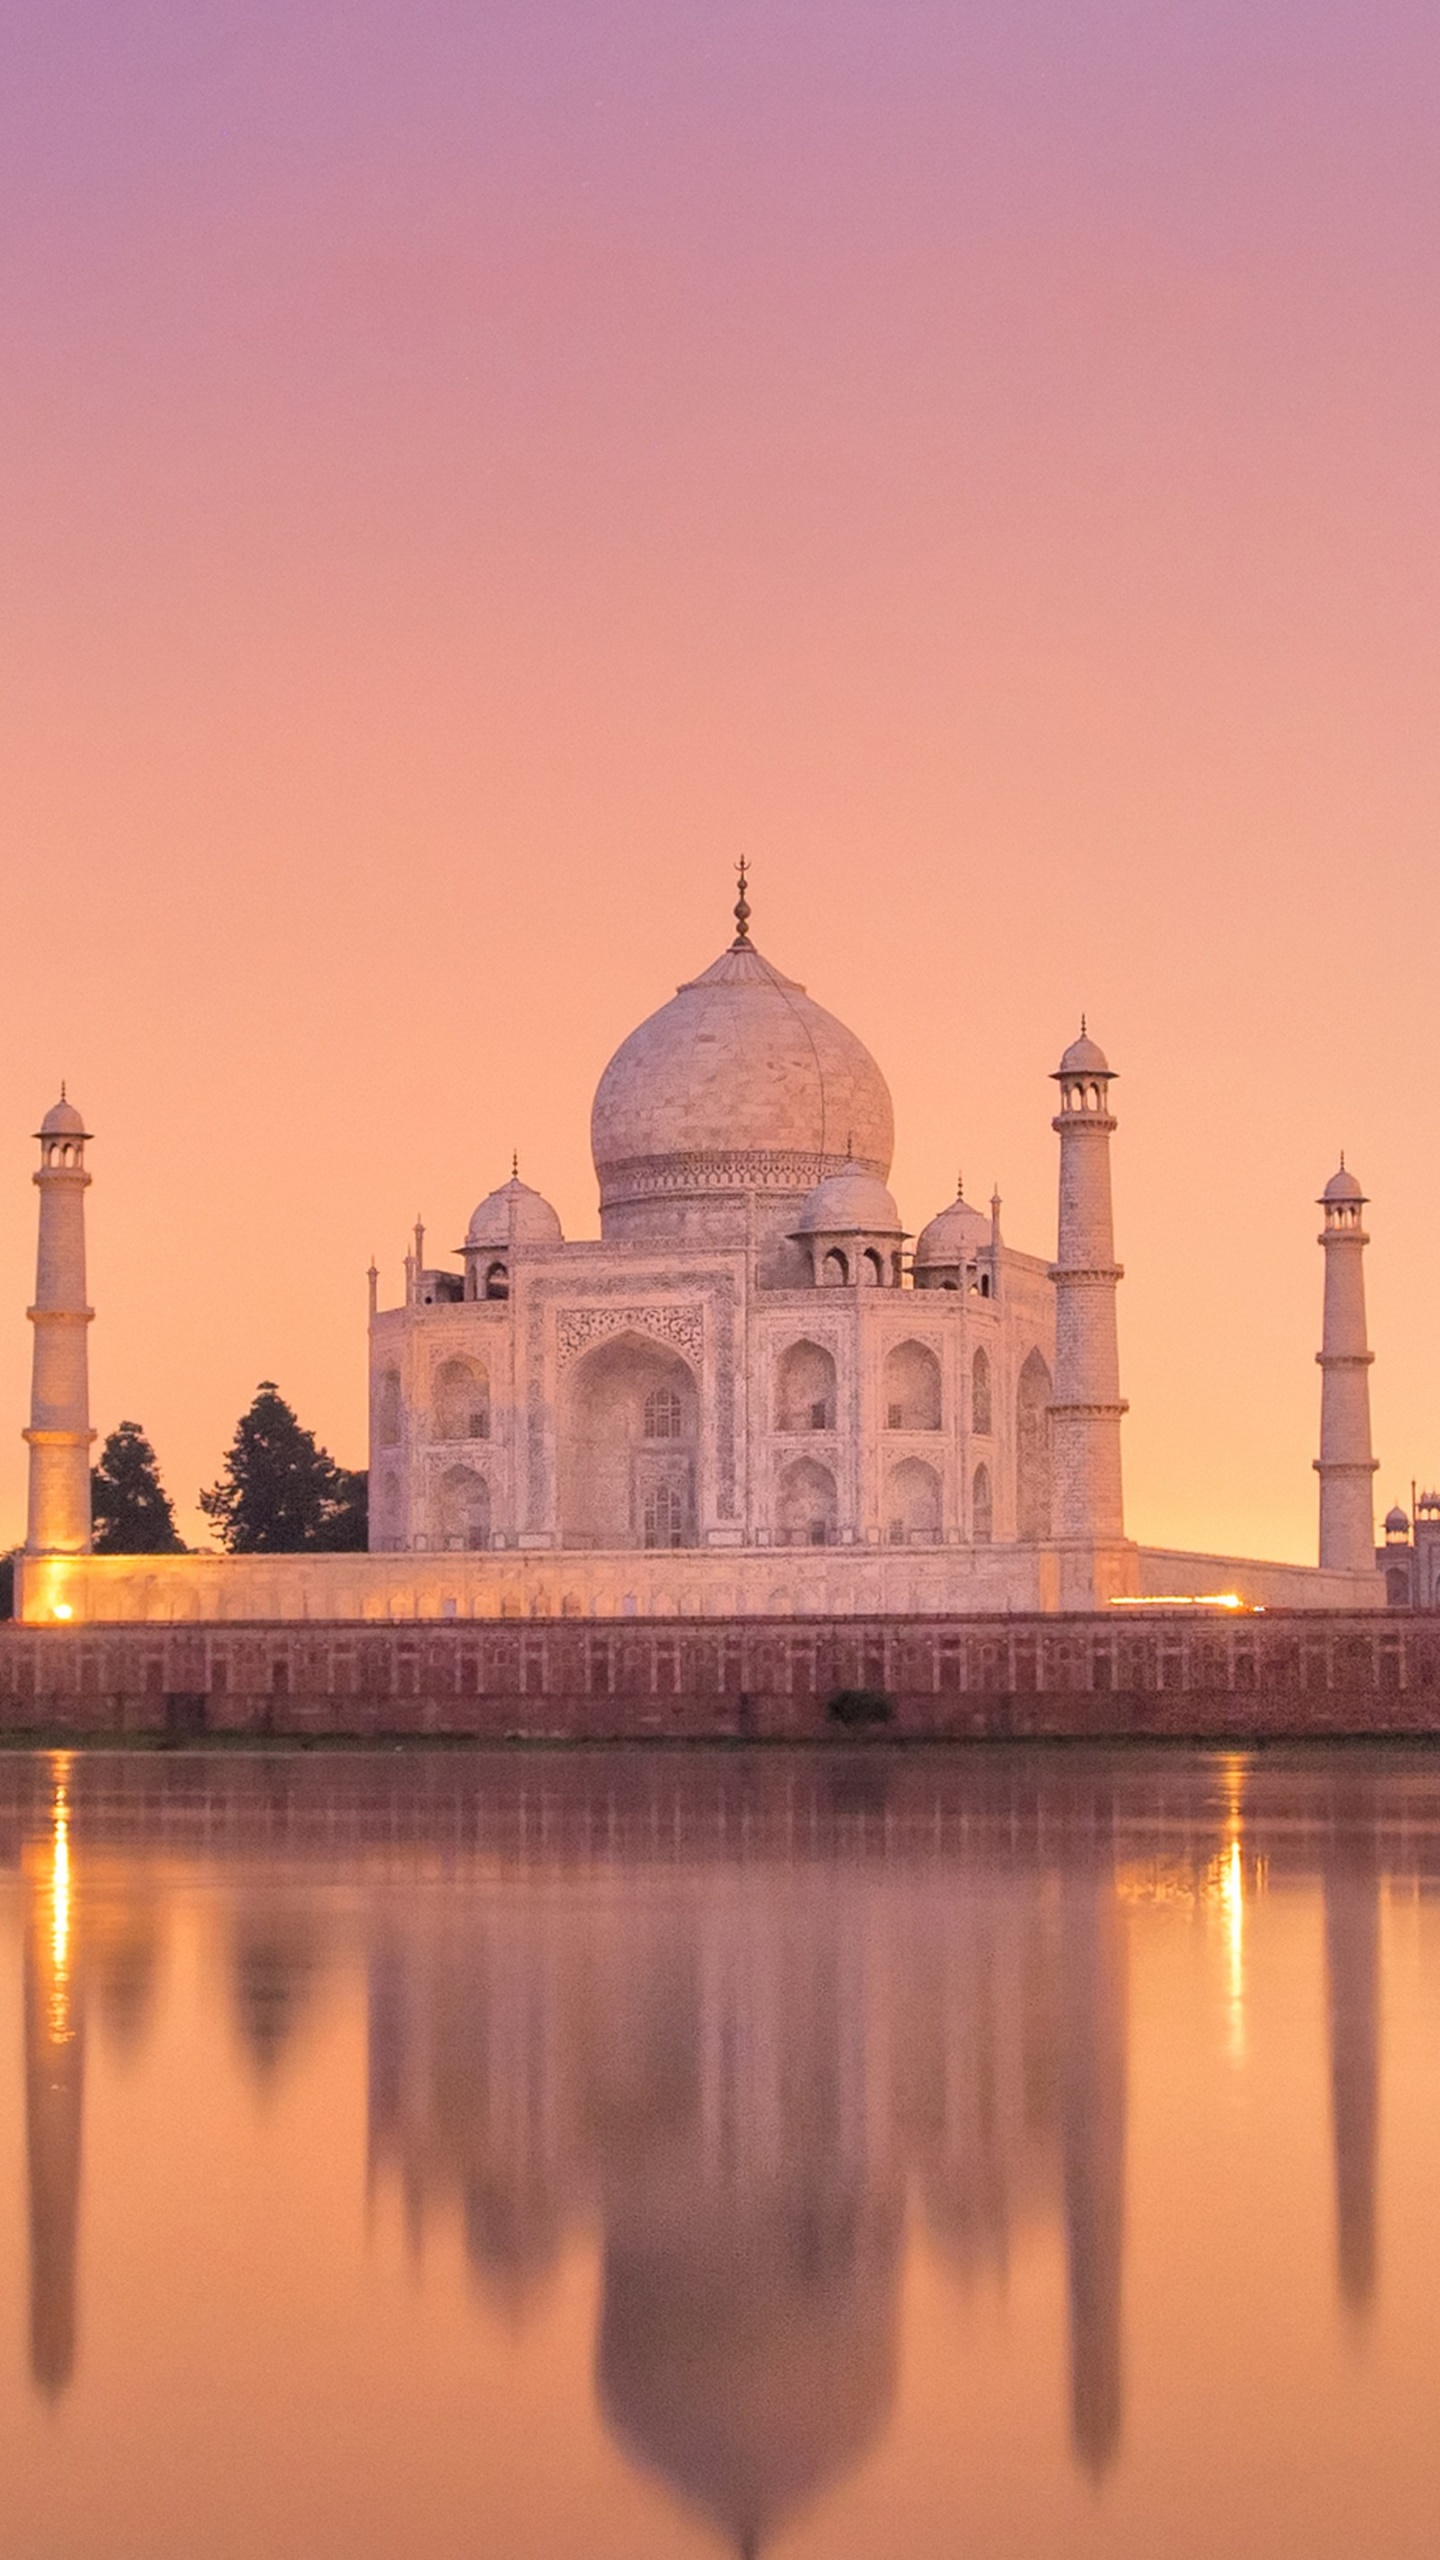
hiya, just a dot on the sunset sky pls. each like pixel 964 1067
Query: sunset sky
pixel 473 468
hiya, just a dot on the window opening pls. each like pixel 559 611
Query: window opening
pixel 664 1415
pixel 665 1516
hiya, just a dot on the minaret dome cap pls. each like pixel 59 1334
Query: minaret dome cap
pixel 1342 1186
pixel 1084 1057
pixel 62 1120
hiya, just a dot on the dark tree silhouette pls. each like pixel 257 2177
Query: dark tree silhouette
pixel 7 1583
pixel 129 1504
pixel 279 1492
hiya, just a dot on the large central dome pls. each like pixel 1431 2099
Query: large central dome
pixel 740 1084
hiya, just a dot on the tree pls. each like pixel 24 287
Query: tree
pixel 280 1493
pixel 129 1504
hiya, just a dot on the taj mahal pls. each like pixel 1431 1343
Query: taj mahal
pixel 754 1393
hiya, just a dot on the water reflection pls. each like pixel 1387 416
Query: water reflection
pixel 742 2083
pixel 1352 1975
pixel 1092 2036
pixel 54 2094
pixel 749 2024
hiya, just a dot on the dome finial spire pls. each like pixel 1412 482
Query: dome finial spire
pixel 514 1164
pixel 742 907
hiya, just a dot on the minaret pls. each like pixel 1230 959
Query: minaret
pixel 1345 1466
pixel 1085 1414
pixel 60 1433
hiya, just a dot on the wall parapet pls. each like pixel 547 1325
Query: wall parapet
pixel 934 1578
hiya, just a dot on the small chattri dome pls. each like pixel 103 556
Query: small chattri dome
pixel 1084 1057
pixel 849 1203
pixel 1342 1186
pixel 952 1237
pixel 62 1120
pixel 1397 1522
pixel 513 1215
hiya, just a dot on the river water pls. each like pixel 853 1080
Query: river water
pixel 635 2155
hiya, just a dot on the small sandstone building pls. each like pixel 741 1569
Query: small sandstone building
pixel 754 1393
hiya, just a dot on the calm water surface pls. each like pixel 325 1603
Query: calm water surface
pixel 622 2158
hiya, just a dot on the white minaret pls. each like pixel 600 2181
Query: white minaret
pixel 1085 1415
pixel 60 1433
pixel 1347 1521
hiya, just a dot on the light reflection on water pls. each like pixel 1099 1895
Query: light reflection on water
pixel 668 2154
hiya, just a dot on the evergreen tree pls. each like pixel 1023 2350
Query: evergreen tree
pixel 129 1504
pixel 348 1526
pixel 280 1493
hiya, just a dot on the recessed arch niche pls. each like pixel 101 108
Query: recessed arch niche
pixel 464 1508
pixel 805 1388
pixel 910 1388
pixel 807 1510
pixel 912 1503
pixel 462 1400
pixel 1032 1449
pixel 387 1408
pixel 629 1435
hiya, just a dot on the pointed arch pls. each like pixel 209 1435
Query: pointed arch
pixel 982 1411
pixel 629 1436
pixel 1033 1393
pixel 464 1508
pixel 805 1388
pixel 807 1506
pixel 462 1400
pixel 912 1504
pixel 387 1408
pixel 910 1388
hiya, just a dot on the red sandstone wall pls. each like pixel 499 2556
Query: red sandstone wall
pixel 1246 1678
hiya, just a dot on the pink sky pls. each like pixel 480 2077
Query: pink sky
pixel 472 471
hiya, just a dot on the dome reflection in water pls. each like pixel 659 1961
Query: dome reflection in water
pixel 728 2056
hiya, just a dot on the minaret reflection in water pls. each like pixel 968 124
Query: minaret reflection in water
pixel 1352 1973
pixel 1092 2112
